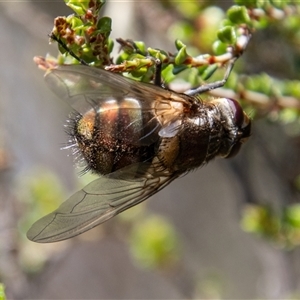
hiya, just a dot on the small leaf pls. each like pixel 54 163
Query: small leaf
pixel 79 7
pixel 179 44
pixel 167 73
pixel 238 15
pixel 219 47
pixel 110 45
pixel 178 69
pixel 227 35
pixel 139 72
pixel 209 71
pixel 141 46
pixel 104 26
pixel 74 22
pixel 161 55
pixel 181 56
pixel 247 3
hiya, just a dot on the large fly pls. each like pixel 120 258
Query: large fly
pixel 138 138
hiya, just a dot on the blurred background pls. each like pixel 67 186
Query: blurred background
pixel 187 241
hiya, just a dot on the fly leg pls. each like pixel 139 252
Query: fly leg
pixel 157 71
pixel 65 47
pixel 237 51
pixel 214 85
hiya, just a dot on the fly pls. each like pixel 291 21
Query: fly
pixel 138 138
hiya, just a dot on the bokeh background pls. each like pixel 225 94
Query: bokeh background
pixel 187 241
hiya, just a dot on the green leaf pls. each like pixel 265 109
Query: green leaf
pixel 238 15
pixel 167 73
pixel 110 45
pixel 181 56
pixel 219 47
pixel 140 46
pixel 179 44
pixel 178 69
pixel 104 26
pixel 227 35
pixel 74 21
pixel 161 55
pixel 79 7
pixel 280 3
pixel 209 71
pixel 247 3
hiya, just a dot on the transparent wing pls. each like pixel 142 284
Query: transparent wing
pixel 99 201
pixel 81 86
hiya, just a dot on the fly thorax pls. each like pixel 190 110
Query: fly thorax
pixel 213 121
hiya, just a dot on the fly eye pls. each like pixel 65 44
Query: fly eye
pixel 242 124
pixel 237 111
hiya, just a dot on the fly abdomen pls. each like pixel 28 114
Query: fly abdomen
pixel 115 134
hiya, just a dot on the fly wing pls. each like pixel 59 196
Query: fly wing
pixel 99 201
pixel 82 86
